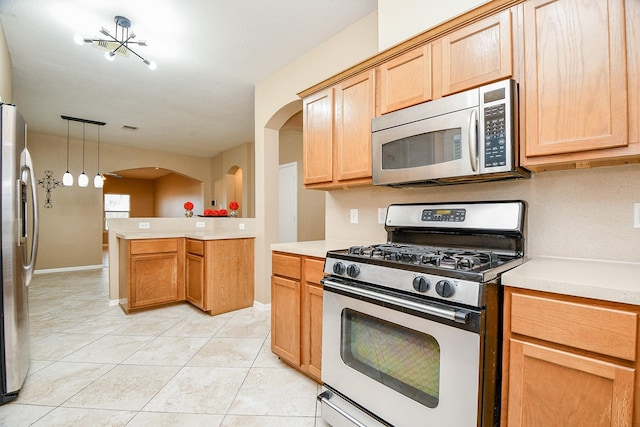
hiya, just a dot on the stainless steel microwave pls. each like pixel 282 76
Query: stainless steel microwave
pixel 469 136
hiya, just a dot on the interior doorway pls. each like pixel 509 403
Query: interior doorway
pixel 288 203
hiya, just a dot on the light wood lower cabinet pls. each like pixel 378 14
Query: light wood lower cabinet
pixel 219 274
pixel 296 311
pixel 569 361
pixel 151 272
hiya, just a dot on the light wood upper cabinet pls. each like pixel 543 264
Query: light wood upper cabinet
pixel 355 104
pixel 404 81
pixel 337 134
pixel 575 82
pixel 317 124
pixel 477 54
pixel 633 69
pixel 568 361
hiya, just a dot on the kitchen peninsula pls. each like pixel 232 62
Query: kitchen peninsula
pixel 206 262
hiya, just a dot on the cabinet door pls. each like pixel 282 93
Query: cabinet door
pixel 633 68
pixel 405 80
pixel 317 137
pixel 285 319
pixel 312 330
pixel 477 54
pixel 153 280
pixel 575 77
pixel 354 109
pixel 549 387
pixel 229 275
pixel 195 292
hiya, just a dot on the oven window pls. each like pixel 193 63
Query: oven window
pixel 403 359
pixel 423 150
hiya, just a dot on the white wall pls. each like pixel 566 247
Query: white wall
pixel 5 70
pixel 276 101
pixel 399 20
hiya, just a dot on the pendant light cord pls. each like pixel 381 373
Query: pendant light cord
pixel 98 150
pixel 82 147
pixel 67 145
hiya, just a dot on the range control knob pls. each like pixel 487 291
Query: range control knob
pixel 421 284
pixel 339 268
pixel 445 289
pixel 353 270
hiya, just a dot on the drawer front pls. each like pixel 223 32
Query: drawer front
pixel 152 246
pixel 286 265
pixel 313 270
pixel 596 328
pixel 195 247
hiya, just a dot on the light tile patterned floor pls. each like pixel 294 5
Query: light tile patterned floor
pixel 92 365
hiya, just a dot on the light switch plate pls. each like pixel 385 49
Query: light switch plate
pixel 241 226
pixel 142 225
pixel 636 215
pixel 354 216
pixel 200 224
pixel 382 215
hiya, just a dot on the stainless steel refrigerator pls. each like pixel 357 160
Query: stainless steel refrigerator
pixel 19 217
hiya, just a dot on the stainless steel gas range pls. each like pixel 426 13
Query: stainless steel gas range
pixel 412 327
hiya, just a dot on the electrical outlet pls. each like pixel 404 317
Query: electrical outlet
pixel 142 225
pixel 636 215
pixel 200 224
pixel 382 215
pixel 241 226
pixel 354 216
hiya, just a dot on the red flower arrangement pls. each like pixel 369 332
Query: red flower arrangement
pixel 215 212
pixel 234 206
pixel 188 206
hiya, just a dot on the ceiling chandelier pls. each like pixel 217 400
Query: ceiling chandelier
pixel 118 44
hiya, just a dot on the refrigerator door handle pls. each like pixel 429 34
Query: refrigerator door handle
pixel 27 174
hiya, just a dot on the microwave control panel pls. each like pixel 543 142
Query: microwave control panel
pixel 496 112
pixel 495 136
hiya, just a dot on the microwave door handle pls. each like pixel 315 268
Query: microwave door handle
pixel 473 139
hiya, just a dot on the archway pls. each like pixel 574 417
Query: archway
pixel 233 187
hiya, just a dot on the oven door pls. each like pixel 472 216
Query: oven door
pixel 443 146
pixel 397 361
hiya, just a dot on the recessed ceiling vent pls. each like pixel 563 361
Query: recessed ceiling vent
pixel 129 127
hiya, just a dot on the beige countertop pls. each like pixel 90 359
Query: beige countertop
pixel 198 235
pixel 316 248
pixel 604 280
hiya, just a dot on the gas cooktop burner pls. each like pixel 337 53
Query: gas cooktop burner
pixel 454 259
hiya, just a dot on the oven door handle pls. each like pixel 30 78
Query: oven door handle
pixel 457 315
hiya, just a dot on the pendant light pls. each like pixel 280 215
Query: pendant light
pixel 83 179
pixel 67 178
pixel 98 180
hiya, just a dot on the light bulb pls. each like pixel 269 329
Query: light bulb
pixel 67 179
pixel 83 180
pixel 110 56
pixel 151 64
pixel 78 39
pixel 98 181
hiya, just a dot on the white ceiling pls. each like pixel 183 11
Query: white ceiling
pixel 210 54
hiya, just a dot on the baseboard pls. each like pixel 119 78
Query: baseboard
pixel 261 306
pixel 65 269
